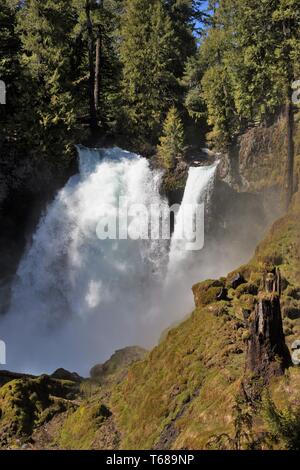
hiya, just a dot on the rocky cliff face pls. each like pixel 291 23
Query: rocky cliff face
pixel 256 163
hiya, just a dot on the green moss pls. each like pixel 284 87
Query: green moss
pixel 207 292
pixel 187 384
pixel 26 402
pixel 203 358
pixel 80 427
pixel 246 289
pixel 170 379
pixel 113 370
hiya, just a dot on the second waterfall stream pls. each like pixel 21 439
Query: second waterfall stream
pixel 77 298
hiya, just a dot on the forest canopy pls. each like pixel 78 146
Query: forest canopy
pixel 81 70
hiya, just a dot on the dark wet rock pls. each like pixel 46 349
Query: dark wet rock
pixel 223 294
pixel 293 292
pixel 293 313
pixel 246 314
pixel 236 281
pixel 249 288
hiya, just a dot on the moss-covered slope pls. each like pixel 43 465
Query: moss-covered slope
pixel 191 391
pixel 186 390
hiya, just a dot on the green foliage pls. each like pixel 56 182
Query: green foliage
pixel 25 403
pixel 80 427
pixel 156 41
pixel 284 424
pixel 187 382
pixel 171 148
pixel 242 437
pixel 244 67
pixel 147 51
pixel 105 17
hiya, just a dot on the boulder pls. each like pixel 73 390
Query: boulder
pixel 208 292
pixel 223 294
pixel 296 357
pixel 291 312
pixel 295 344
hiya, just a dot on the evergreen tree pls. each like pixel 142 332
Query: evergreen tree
pixel 156 40
pixel 245 68
pixel 183 21
pixel 46 33
pixel 107 90
pixel 147 54
pixel 9 52
pixel 267 36
pixel 286 18
pixel 96 35
pixel 210 92
pixel 171 147
pixel 10 74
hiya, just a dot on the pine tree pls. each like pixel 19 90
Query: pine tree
pixel 97 61
pixel 267 36
pixel 286 18
pixel 210 92
pixel 146 55
pixel 46 33
pixel 10 75
pixel 182 16
pixel 156 40
pixel 171 147
pixel 246 64
pixel 9 51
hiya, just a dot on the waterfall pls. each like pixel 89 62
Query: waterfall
pixel 186 267
pixel 197 191
pixel 76 298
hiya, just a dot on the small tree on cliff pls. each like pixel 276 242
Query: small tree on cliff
pixel 171 147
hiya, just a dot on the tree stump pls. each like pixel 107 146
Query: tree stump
pixel 267 353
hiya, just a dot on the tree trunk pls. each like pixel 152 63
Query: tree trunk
pixel 287 26
pixel 290 151
pixel 97 70
pixel 93 111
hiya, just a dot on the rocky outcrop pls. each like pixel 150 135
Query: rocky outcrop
pixel 7 376
pixel 236 280
pixel 209 291
pixel 267 353
pixel 117 366
pixel 63 374
pixel 262 154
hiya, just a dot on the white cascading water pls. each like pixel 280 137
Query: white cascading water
pixel 77 298
pixel 197 191
pixel 185 267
